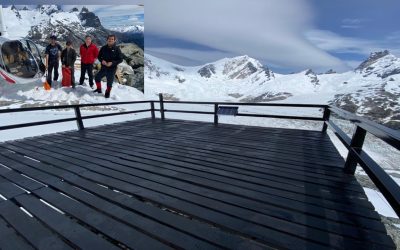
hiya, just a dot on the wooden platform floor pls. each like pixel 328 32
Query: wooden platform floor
pixel 182 184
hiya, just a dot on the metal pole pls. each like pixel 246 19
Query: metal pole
pixel 356 144
pixel 162 106
pixel 216 114
pixel 327 115
pixel 78 116
pixel 153 115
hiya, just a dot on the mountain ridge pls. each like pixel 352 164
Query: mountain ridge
pixel 371 90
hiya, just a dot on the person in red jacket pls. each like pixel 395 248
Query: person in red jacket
pixel 89 53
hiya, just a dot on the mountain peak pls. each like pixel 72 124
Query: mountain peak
pixel 89 19
pixel 373 58
pixel 48 9
pixel 381 64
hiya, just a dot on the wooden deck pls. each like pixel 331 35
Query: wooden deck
pixel 182 184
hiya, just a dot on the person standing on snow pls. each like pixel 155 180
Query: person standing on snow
pixel 68 58
pixel 53 53
pixel 89 53
pixel 109 56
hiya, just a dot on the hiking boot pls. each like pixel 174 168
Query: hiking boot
pixel 107 95
pixel 97 91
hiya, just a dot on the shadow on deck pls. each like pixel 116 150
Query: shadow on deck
pixel 151 184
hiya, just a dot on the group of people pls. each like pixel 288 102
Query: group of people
pixel 109 57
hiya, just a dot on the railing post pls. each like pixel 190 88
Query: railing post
pixel 356 144
pixel 153 115
pixel 162 106
pixel 216 114
pixel 327 115
pixel 78 116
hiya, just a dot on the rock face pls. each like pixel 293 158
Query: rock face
pixel 134 57
pixel 89 19
pixel 314 78
pixel 207 71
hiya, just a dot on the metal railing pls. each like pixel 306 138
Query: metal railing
pixel 356 154
pixel 78 116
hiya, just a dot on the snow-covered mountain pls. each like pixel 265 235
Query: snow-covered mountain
pixel 129 29
pixel 372 90
pixel 41 22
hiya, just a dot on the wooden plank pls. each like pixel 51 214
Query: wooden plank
pixel 262 234
pixel 168 153
pixel 91 175
pixel 112 228
pixel 26 183
pixel 214 190
pixel 111 156
pixel 9 190
pixel 95 146
pixel 10 240
pixel 242 142
pixel 227 197
pixel 165 158
pixel 76 234
pixel 354 187
pixel 194 228
pixel 275 155
pixel 198 148
pixel 31 230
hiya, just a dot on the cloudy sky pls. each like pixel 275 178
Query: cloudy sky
pixel 115 15
pixel 111 13
pixel 286 35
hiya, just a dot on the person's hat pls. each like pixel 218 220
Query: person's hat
pixel 68 43
pixel 53 37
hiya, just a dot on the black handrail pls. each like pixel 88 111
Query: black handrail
pixel 77 109
pixel 356 155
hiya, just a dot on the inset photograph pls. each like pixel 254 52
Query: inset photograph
pixel 65 54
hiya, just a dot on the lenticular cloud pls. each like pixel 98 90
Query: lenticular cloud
pixel 271 30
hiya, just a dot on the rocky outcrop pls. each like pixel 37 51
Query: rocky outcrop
pixel 373 58
pixel 134 57
pixel 207 71
pixel 89 19
pixel 314 78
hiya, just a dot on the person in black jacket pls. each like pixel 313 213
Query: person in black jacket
pixel 109 56
pixel 68 58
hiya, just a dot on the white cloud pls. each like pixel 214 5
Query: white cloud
pixel 116 10
pixel 267 30
pixel 188 57
pixel 353 23
pixel 110 10
pixel 333 42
